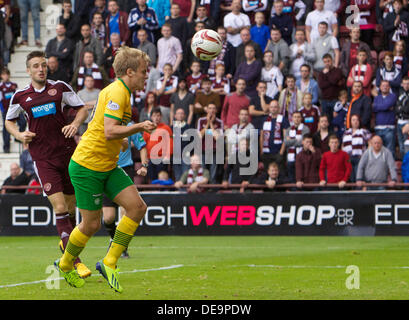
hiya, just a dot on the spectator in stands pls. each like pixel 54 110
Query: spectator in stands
pixel 116 22
pixel 63 48
pixel 324 44
pixel 384 109
pixel 350 51
pixel 260 33
pixel 110 53
pixel 282 21
pixel 241 130
pixel 182 99
pixel 195 78
pixel 362 71
pixel 251 8
pixel 259 106
pixel 211 128
pixel 272 75
pixel 307 84
pixel 226 55
pixel 202 16
pixel 54 72
pixel 6 32
pixel 402 114
pixel 196 176
pixel 390 73
pixel 17 178
pixel 234 22
pixel 235 172
pixel 142 17
pixel 272 147
pixel 7 89
pixel 162 10
pixel 149 105
pixel 400 58
pixel 159 144
pixel 179 127
pixel 71 21
pixel 98 28
pixel 340 114
pixel 310 113
pixel 293 142
pixel 367 24
pixel 163 179
pixel 179 24
pixel 99 8
pixel 165 87
pixel 169 49
pixel 297 53
pixel 187 8
pixel 240 49
pixel 375 165
pixel 33 6
pixel 331 82
pixel 233 103
pixel 87 43
pixel 335 166
pixel 271 178
pixel 290 98
pixel 360 104
pixel 220 83
pixel 26 162
pixel 89 67
pixel 295 9
pixel 317 16
pixel 354 142
pixel 280 50
pixel 396 24
pixel 146 46
pixel 89 94
pixel 307 162
pixel 204 97
pixel 82 9
pixel 249 70
pixel 321 137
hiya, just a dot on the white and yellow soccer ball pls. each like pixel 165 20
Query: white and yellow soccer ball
pixel 206 44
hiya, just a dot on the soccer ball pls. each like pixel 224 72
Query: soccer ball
pixel 206 44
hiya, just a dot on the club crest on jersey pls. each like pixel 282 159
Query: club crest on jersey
pixel 52 92
pixel 44 110
pixel 113 106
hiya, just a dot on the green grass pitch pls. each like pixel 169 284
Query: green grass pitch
pixel 213 268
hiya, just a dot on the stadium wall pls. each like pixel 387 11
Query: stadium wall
pixel 292 213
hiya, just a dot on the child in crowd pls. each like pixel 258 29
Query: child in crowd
pixel 310 113
pixel 362 71
pixel 220 83
pixel 340 114
pixel 193 80
pixel 260 33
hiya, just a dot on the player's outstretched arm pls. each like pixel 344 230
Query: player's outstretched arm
pixel 25 136
pixel 114 130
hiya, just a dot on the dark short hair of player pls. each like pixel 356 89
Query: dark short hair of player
pixel 5 70
pixel 326 56
pixel 405 78
pixel 206 79
pixel 307 136
pixel 168 25
pixel 290 76
pixel 34 54
pixel 333 137
pixel 67 1
pixel 306 66
pixel 324 23
pixel 156 110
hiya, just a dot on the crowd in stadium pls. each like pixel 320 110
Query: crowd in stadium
pixel 330 101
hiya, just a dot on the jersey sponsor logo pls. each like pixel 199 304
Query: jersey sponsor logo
pixel 113 106
pixel 44 110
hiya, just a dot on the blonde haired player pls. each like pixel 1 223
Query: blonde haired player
pixel 93 169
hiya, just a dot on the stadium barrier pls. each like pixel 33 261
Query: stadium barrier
pixel 339 213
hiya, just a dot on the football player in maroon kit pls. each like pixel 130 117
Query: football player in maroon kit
pixel 50 139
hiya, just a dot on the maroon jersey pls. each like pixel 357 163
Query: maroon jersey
pixel 7 90
pixel 311 118
pixel 164 99
pixel 44 111
pixel 192 80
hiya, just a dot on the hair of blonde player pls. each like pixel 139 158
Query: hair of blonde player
pixel 128 58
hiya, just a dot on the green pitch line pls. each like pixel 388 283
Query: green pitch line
pixel 203 268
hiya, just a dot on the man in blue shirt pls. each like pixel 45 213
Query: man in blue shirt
pixel 125 162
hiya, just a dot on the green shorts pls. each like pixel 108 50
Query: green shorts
pixel 90 185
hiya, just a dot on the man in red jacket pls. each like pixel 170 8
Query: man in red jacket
pixel 335 164
pixel 116 22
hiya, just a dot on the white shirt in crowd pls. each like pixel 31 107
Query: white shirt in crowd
pixel 315 17
pixel 235 21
